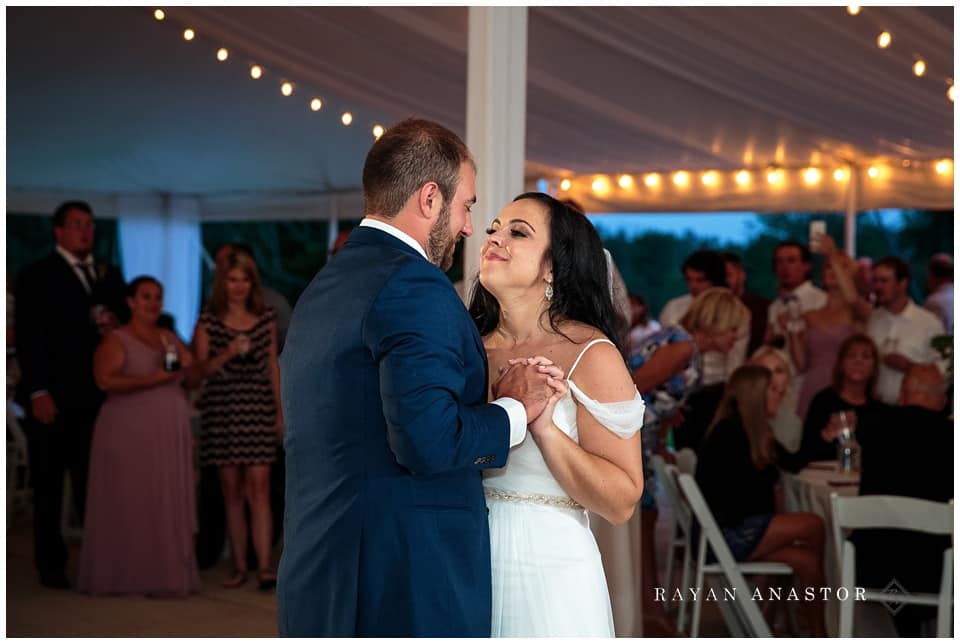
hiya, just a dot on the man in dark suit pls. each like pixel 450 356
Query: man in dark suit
pixel 64 302
pixel 907 450
pixel 385 389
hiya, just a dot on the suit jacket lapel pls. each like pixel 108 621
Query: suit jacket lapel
pixel 70 276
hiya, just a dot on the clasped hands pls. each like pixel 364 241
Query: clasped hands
pixel 537 383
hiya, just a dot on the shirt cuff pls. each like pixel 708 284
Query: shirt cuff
pixel 37 394
pixel 518 419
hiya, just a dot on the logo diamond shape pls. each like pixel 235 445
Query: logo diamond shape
pixel 893 589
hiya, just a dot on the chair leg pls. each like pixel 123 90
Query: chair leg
pixel 668 573
pixel 698 584
pixel 684 585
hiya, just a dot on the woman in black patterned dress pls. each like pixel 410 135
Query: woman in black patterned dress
pixel 236 345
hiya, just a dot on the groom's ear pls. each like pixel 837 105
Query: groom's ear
pixel 430 200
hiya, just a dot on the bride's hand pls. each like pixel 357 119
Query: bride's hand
pixel 542 423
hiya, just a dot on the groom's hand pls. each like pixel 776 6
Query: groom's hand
pixel 526 383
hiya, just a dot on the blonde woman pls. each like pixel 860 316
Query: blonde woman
pixel 787 425
pixel 737 473
pixel 236 345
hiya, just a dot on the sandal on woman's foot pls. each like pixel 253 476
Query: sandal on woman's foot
pixel 266 579
pixel 237 579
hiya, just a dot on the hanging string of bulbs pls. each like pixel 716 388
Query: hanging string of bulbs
pixel 257 72
pixel 885 40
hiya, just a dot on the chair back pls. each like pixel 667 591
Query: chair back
pixel 666 474
pixel 710 536
pixel 687 461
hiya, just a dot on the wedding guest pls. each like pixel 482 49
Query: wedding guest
pixel 141 503
pixel 702 270
pixel 940 284
pixel 815 338
pixel 736 472
pixel 796 294
pixel 787 426
pixel 852 390
pixel 901 329
pixel 756 304
pixel 64 302
pixel 236 345
pixel 641 324
pixel 271 298
pixel 920 467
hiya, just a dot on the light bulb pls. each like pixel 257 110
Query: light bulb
pixel 256 72
pixel 710 178
pixel 919 68
pixel 378 130
pixel 600 185
pixel 811 176
pixel 286 88
pixel 625 181
pixel 853 9
pixel 159 14
pixel 316 104
pixel 742 178
pixel 873 172
pixel 774 176
pixel 188 34
pixel 346 118
pixel 951 93
pixel 565 184
pixel 884 39
pixel 840 174
pixel 681 179
pixel 222 54
pixel 944 166
pixel 651 180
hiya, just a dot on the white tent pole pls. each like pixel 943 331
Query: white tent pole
pixel 850 216
pixel 332 231
pixel 496 116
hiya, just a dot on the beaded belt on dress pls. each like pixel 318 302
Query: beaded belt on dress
pixel 538 499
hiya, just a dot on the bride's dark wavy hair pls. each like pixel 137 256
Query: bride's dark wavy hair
pixel 581 289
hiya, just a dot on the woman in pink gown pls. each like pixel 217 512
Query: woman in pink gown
pixel 141 501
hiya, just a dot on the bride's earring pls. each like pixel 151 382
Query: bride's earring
pixel 548 292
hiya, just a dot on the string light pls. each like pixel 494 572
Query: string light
pixel 188 34
pixel 951 93
pixel 651 180
pixel 919 68
pixel 811 176
pixel 256 72
pixel 222 54
pixel 873 172
pixel 601 185
pixel 774 176
pixel 625 181
pixel 159 14
pixel 377 130
pixel 710 178
pixel 346 118
pixel 853 9
pixel 565 184
pixel 944 166
pixel 841 174
pixel 681 179
pixel 316 104
pixel 884 39
pixel 742 178
pixel 286 88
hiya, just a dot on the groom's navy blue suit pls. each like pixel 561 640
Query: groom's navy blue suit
pixel 384 381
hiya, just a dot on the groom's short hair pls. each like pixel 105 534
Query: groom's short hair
pixel 406 156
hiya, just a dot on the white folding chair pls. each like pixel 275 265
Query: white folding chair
pixel 747 620
pixel 679 534
pixel 18 465
pixel 899 513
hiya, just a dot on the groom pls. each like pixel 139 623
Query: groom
pixel 384 395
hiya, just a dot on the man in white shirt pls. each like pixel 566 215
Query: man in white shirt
pixel 901 329
pixel 796 294
pixel 702 270
pixel 940 284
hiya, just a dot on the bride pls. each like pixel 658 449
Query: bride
pixel 543 292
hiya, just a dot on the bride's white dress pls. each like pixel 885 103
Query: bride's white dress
pixel 548 580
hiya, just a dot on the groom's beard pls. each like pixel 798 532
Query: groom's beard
pixel 441 244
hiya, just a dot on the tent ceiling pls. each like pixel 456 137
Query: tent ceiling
pixel 109 100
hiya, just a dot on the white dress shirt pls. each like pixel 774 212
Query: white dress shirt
pixel 514 408
pixel 940 303
pixel 907 333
